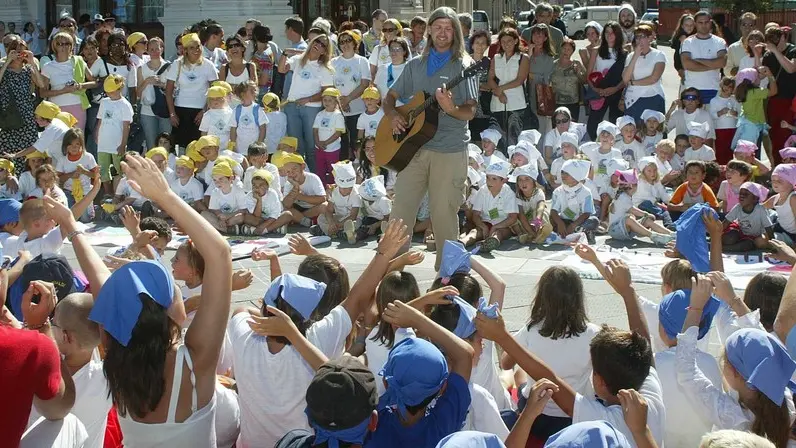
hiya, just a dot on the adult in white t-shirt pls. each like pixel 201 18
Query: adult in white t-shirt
pixel 151 76
pixel 703 56
pixel 312 74
pixel 61 86
pixel 351 77
pixel 188 79
pixel 642 75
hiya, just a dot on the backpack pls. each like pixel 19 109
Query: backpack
pixel 255 112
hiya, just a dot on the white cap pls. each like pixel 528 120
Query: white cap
pixel 589 147
pixel 531 170
pixel 531 135
pixel 613 165
pixel 698 129
pixel 571 138
pixel 499 168
pixel 594 25
pixel 645 162
pixel 344 174
pixel 577 168
pixel 649 113
pixel 607 126
pixel 625 120
pixel 473 147
pixel 373 188
pixel 475 154
pixel 526 149
pixel 491 134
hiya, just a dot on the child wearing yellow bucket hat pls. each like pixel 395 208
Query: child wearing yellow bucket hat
pixel 113 128
pixel 368 122
pixel 265 213
pixel 277 121
pixel 215 120
pixel 228 201
pixel 329 127
pixel 208 147
pixel 6 172
pixel 304 192
pixel 186 186
pixel 50 140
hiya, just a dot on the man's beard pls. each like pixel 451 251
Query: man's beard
pixel 628 24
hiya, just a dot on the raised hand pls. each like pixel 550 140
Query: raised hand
pixel 241 279
pixel 36 314
pixel 393 239
pixel 144 177
pixel 300 245
pixel 586 252
pixel 540 394
pixel 634 408
pixel 278 324
pixel 492 329
pixel 400 315
pixel 261 254
pixel 618 275
pixel 701 285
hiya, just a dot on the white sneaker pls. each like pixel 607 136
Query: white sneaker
pixel 283 230
pixel 660 238
pixel 305 222
pixel 350 233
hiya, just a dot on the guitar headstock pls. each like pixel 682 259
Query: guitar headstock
pixel 478 67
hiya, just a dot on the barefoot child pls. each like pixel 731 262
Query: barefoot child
pixel 623 223
pixel 341 218
pixel 228 202
pixel 533 223
pixel 494 210
pixel 747 226
pixel 264 209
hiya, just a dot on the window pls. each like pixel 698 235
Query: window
pixel 581 15
pixel 152 9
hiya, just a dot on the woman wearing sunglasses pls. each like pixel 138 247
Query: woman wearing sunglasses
pixel 381 52
pixel 66 79
pixel 237 70
pixel 351 77
pixel 687 109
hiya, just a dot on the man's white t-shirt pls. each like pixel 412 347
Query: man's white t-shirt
pixel 193 82
pixel 216 122
pixel 230 202
pixel 191 192
pixel 370 122
pixel 327 123
pixel 308 79
pixel 645 65
pixel 51 140
pixel 270 205
pixel 272 386
pixel 246 127
pixel 50 243
pixel 344 204
pixel 348 75
pixel 65 165
pixel 709 48
pixel 312 186
pixel 113 114
pixel 495 209
pixel 589 409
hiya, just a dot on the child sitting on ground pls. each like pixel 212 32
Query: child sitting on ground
pixel 494 210
pixel 303 194
pixel 341 218
pixel 533 223
pixel 490 138
pixel 664 151
pixel 745 151
pixel 368 122
pixel 367 167
pixel 166 141
pixel 747 226
pixel 186 186
pixel 783 179
pixel 6 171
pixel 277 121
pixel 76 169
pixel 265 213
pixel 376 208
pixel 623 224
pixel 572 206
pixel 248 123
pixel 681 143
pixel 632 150
pixel 257 155
pixel 737 173
pixel 47 185
pixel 209 147
pixel 788 154
pixel 27 180
pixel 650 195
pixel 651 134
pixel 697 132
pixel 693 191
pixel 216 119
pixel 228 202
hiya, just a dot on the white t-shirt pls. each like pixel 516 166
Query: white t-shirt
pixel 92 403
pixel 380 55
pixel 113 114
pixel 308 79
pixel 377 209
pixel 272 386
pixel 528 206
pixel 370 122
pixel 348 75
pixel 247 128
pixel 382 79
pixel 709 48
pixel 649 142
pixel 684 425
pixel 650 192
pixel 327 123
pixel 51 140
pixel 726 121
pixel 124 189
pixel 620 208
pixel 270 205
pixel 484 414
pixel 217 122
pixel 230 202
pixel 271 168
pixel 344 204
pixel 67 166
pixel 312 186
pixel 50 243
pixel 664 167
pixel 131 76
pixel 645 65
pixel 56 194
pixel 5 193
pixel 589 409
pixel 238 169
pixel 568 357
pixel 495 209
pixel 147 72
pixel 277 128
pixel 570 205
pixel 194 81
pixel 485 374
pixel 191 192
pixel 679 120
pixel 377 353
pixel 705 154
pixel 632 152
pixel 60 74
pixel 26 184
pixel 600 159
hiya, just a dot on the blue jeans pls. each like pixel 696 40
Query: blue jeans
pixel 299 124
pixel 91 126
pixel 659 213
pixel 154 126
pixel 635 110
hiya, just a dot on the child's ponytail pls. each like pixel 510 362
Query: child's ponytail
pixel 771 421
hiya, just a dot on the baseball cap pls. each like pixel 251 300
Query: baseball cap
pixel 342 394
pixel 50 268
pixel 98 18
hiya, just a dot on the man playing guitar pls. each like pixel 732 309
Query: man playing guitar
pixel 440 166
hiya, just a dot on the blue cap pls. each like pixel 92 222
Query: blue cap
pixel 591 434
pixel 414 371
pixel 455 258
pixel 691 242
pixel 674 307
pixel 471 439
pixel 118 304
pixel 762 361
pixel 465 327
pixel 9 211
pixel 302 293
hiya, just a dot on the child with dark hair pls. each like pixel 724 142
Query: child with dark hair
pixel 748 226
pixel 693 191
pixel 752 97
pixel 737 173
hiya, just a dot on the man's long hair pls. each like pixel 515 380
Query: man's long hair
pixel 457 46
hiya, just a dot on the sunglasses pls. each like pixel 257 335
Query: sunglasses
pixel 747 24
pixel 345 41
pixel 562 121
pixel 689 97
pixel 388 30
pixel 63 44
pixel 396 50
pixel 67 25
pixel 192 48
pixel 320 44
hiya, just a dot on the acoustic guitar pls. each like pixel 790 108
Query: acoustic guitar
pixel 395 150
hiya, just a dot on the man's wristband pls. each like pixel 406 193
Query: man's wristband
pixel 73 234
pixel 27 326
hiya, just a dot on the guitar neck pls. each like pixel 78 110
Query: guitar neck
pixel 432 99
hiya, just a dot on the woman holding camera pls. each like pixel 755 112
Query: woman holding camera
pixel 17 76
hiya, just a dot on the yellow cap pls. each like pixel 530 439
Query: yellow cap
pixel 264 175
pixel 47 110
pixel 289 141
pixel 222 169
pixel 36 155
pixel 135 38
pixel 371 92
pixel 331 91
pixel 287 157
pixel 207 140
pixel 194 154
pixel 191 38
pixel 357 38
pixel 7 165
pixel 228 160
pixel 224 85
pixel 67 118
pixel 157 151
pixel 186 162
pixel 270 102
pixel 109 208
pixel 217 92
pixel 113 83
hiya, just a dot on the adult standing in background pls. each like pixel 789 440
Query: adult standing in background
pixel 418 37
pixel 351 77
pixel 151 76
pixel 294 31
pixel 66 79
pixel 18 74
pixel 466 21
pixel 380 55
pixel 507 75
pixel 593 32
pixel 627 20
pixel 608 60
pixel 686 27
pixel 542 65
pixel 737 50
pixel 237 70
pixel 642 76
pixel 250 25
pixel 557 22
pixel 263 53
pixel 704 55
pixel 373 36
pixel 544 15
pixel 567 79
pixel 32 34
pixel 211 37
pixel 780 58
pixel 440 166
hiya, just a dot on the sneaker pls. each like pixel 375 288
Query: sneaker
pixel 282 230
pixel 490 244
pixel 350 233
pixel 590 237
pixel 305 222
pixel 661 239
pixel 245 230
pixel 236 229
pixel 316 230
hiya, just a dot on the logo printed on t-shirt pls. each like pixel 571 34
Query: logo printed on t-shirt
pixel 305 74
pixel 324 122
pixel 373 125
pixel 108 115
pixel 191 76
pixel 245 120
pixel 226 208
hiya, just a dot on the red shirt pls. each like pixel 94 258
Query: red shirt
pixel 30 366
